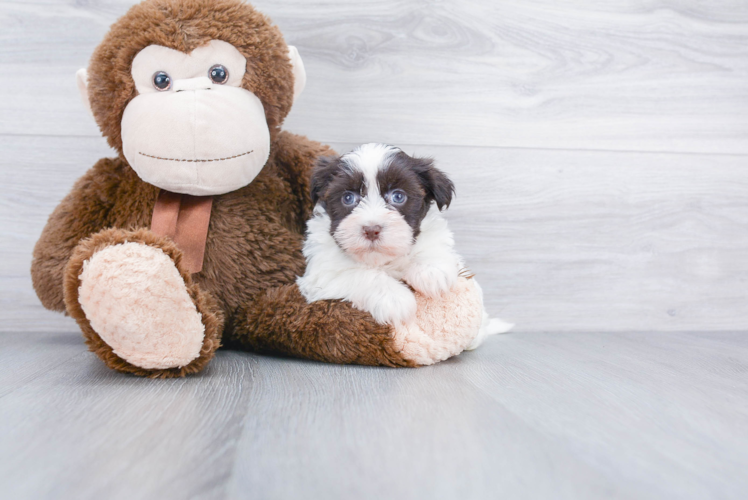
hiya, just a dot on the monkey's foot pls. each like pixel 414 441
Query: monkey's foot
pixel 137 303
pixel 444 326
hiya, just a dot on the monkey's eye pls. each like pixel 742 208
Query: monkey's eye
pixel 219 74
pixel 350 198
pixel 161 80
pixel 398 197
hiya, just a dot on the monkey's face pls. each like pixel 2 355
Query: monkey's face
pixel 192 128
pixel 192 93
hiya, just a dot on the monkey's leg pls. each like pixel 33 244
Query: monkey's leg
pixel 280 321
pixel 138 308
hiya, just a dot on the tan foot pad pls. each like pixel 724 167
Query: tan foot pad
pixel 444 326
pixel 136 301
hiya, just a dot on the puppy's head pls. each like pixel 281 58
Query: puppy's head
pixel 376 197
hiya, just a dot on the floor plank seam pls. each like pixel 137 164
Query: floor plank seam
pixel 41 373
pixel 251 365
pixel 442 145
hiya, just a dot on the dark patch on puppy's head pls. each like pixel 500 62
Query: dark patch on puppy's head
pixel 331 179
pixel 438 186
pixel 323 172
pixel 421 182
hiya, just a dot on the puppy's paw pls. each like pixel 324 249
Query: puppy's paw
pixel 432 280
pixel 392 305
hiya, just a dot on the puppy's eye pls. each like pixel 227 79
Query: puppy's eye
pixel 398 197
pixel 161 80
pixel 219 74
pixel 350 198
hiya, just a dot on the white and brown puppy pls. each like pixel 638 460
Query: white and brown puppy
pixel 377 230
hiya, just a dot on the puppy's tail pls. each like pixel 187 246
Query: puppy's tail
pixel 489 326
pixel 495 325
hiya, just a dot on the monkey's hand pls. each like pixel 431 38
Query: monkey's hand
pixel 444 325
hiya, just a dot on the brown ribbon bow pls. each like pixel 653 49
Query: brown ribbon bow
pixel 184 218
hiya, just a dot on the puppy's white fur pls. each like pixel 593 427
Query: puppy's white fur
pixel 372 275
pixel 431 267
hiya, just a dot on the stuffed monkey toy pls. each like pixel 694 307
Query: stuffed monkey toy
pixel 192 236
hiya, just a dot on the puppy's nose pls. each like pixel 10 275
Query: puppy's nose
pixel 372 232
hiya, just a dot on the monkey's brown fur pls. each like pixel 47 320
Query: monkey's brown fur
pixel 246 291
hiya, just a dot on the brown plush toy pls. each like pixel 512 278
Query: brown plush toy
pixel 192 236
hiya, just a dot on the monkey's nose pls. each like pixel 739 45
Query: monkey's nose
pixel 372 232
pixel 199 83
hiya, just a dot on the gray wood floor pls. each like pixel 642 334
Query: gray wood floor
pixel 600 152
pixel 534 415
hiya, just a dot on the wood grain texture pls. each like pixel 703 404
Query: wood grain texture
pixel 81 430
pixel 559 415
pixel 644 236
pixel 623 404
pixel 35 173
pixel 640 75
pixel 25 356
pixel 530 416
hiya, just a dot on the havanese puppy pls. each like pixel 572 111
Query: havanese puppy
pixel 377 234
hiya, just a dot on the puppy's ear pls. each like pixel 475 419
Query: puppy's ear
pixel 322 175
pixel 437 185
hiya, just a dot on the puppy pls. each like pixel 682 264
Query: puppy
pixel 377 233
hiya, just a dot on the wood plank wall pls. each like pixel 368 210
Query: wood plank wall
pixel 600 148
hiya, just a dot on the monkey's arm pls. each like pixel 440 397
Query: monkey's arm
pixel 295 156
pixel 83 212
pixel 280 321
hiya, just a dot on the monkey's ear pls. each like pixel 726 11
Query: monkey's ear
pixel 322 175
pixel 299 74
pixel 81 78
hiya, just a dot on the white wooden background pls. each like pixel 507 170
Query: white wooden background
pixel 599 148
pixel 600 152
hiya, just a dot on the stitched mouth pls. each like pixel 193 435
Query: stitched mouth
pixel 195 161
